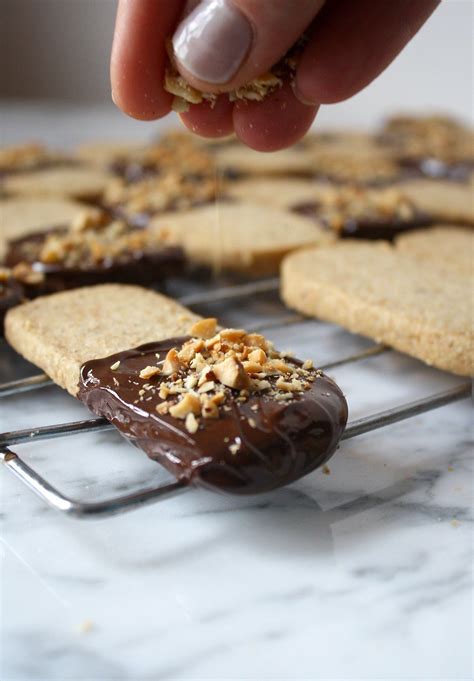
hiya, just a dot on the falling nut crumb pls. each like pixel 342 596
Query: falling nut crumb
pixel 115 365
pixel 85 626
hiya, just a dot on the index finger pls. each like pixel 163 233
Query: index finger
pixel 139 56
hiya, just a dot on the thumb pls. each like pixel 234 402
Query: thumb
pixel 224 44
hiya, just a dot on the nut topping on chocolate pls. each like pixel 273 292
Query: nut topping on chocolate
pixel 213 368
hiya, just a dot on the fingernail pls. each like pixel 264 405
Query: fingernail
pixel 300 97
pixel 212 42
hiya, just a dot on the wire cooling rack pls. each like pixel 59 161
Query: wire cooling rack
pixel 212 293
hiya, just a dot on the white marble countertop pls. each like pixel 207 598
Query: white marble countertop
pixel 365 573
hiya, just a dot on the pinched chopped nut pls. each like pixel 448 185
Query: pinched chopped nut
pixel 231 373
pixel 149 372
pixel 308 364
pixel 234 447
pixel 255 90
pixel 115 365
pixel 204 328
pixel 171 364
pixel 189 404
pixel 191 423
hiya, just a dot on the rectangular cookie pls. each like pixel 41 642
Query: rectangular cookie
pixel 60 332
pixel 447 247
pixel 241 237
pixel 374 290
pixel 217 407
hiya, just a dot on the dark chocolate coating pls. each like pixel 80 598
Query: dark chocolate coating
pixel 367 229
pixel 136 267
pixel 289 438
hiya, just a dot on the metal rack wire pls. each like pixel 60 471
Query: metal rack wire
pixel 81 509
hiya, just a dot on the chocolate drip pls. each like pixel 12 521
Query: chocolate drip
pixel 257 445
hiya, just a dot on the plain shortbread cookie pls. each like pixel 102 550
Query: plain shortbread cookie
pixel 60 332
pixel 240 237
pixel 79 182
pixel 444 200
pixel 371 289
pixel 449 248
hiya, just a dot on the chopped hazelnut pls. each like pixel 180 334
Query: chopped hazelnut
pixel 207 387
pixel 191 423
pixel 258 356
pixel 191 381
pixel 232 335
pixel 171 363
pixel 204 328
pixel 209 409
pixel 149 372
pixel 256 339
pixel 189 404
pixel 252 367
pixel 231 373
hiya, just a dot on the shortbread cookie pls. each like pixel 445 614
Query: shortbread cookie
pixel 73 181
pixel 363 212
pixel 22 216
pixel 354 162
pixel 20 157
pixel 437 137
pixel 107 153
pixel 219 408
pixel 94 250
pixel 444 200
pixel 279 192
pixel 447 247
pixel 59 333
pixel 168 191
pixel 238 160
pixel 378 292
pixel 239 237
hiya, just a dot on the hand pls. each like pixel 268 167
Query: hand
pixel 223 44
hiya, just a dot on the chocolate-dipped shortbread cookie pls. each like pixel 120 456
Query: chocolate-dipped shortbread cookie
pixel 217 407
pixel 94 250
